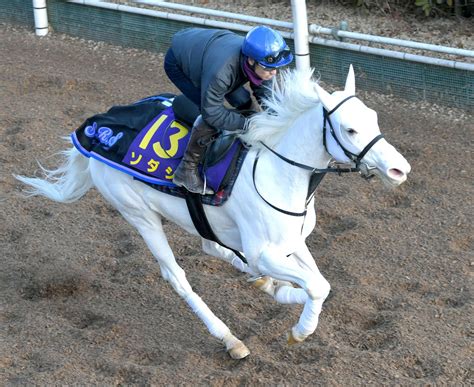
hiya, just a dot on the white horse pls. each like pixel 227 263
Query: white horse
pixel 269 214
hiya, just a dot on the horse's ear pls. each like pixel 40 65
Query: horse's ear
pixel 326 99
pixel 350 88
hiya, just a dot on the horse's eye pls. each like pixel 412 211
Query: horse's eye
pixel 351 131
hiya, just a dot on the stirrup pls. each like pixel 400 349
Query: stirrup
pixel 205 189
pixel 197 187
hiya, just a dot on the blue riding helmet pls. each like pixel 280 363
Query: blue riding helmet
pixel 267 47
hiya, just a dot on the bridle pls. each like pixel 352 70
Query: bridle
pixel 356 159
pixel 317 174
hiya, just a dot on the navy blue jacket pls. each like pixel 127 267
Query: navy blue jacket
pixel 213 61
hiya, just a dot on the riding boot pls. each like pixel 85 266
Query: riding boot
pixel 187 173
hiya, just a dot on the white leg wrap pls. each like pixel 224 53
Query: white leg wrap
pixel 215 326
pixel 309 318
pixel 290 295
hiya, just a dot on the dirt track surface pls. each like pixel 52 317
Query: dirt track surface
pixel 82 300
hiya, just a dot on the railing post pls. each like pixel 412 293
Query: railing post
pixel 301 35
pixel 41 17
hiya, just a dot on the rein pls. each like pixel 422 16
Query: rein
pixel 317 174
pixel 307 167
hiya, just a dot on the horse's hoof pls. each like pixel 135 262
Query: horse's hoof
pixel 261 283
pixel 258 281
pixel 265 284
pixel 239 351
pixel 292 340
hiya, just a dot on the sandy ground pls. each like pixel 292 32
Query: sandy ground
pixel 82 300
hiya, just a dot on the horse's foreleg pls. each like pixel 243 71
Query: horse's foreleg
pixel 174 274
pixel 298 268
pixel 282 291
pixel 126 196
pixel 218 251
pixel 318 292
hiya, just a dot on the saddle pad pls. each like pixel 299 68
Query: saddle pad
pixel 146 141
pixel 221 195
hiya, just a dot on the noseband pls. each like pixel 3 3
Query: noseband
pixel 316 173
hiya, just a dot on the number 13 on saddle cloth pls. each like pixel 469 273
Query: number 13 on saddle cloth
pixel 147 141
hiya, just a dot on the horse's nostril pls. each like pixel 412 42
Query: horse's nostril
pixel 395 173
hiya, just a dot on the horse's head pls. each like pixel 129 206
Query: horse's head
pixel 353 135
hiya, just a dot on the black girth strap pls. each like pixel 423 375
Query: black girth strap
pixel 199 218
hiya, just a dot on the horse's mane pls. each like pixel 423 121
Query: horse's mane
pixel 292 94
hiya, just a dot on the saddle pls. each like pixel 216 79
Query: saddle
pixel 148 138
pixel 186 111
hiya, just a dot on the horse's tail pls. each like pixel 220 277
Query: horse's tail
pixel 66 184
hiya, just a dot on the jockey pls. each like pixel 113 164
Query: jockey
pixel 210 67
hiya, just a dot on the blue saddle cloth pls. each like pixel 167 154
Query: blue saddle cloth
pixel 147 141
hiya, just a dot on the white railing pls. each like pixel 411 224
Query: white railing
pixel 312 38
pixel 313 29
